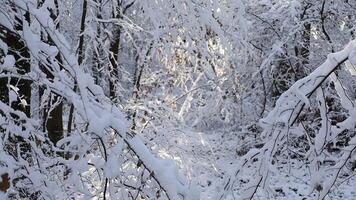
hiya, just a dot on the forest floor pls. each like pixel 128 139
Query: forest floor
pixel 206 158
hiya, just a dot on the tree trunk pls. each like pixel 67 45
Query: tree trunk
pixel 114 53
pixel 52 117
pixel 97 49
pixel 80 59
pixel 305 46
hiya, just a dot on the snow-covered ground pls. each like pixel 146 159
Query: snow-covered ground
pixel 206 158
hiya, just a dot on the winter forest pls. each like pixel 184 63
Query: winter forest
pixel 177 99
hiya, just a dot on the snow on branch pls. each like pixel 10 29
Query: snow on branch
pixel 91 104
pixel 278 122
pixel 291 102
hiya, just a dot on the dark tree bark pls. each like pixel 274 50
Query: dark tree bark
pixel 114 49
pixel 114 52
pixel 80 59
pixel 305 44
pixel 305 47
pixel 97 49
pixel 52 117
pixel 81 37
